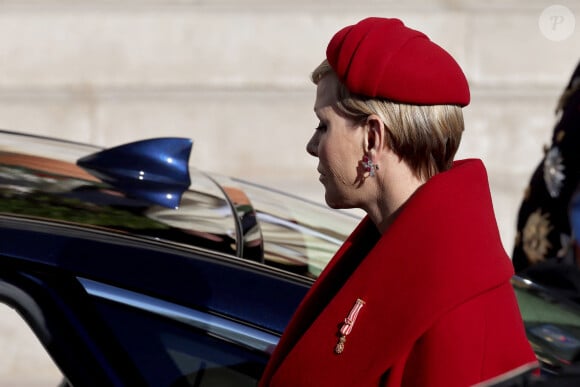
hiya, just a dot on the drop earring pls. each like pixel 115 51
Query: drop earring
pixel 369 166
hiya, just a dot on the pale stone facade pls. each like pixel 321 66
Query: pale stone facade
pixel 233 75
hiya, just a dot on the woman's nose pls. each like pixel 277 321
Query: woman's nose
pixel 312 146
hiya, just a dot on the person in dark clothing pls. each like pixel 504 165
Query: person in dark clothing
pixel 544 233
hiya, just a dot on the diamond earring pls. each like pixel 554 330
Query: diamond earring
pixel 369 166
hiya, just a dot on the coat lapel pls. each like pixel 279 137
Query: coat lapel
pixel 328 283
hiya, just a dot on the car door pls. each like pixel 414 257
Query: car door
pixel 118 310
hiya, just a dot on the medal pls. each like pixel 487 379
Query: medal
pixel 347 325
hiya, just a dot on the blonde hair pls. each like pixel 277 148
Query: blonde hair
pixel 426 137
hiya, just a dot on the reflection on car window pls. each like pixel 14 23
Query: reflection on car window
pixel 552 327
pixel 199 371
pixel 299 236
pixel 236 218
pixel 204 217
pixel 25 362
pixel 56 190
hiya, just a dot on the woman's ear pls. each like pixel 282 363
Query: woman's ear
pixel 375 133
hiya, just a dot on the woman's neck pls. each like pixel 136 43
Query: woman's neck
pixel 389 200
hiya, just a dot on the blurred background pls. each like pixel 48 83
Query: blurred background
pixel 233 75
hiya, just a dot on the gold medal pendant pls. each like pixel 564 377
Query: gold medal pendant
pixel 340 345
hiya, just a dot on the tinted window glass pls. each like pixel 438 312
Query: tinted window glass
pixel 48 188
pixel 204 217
pixel 552 327
pixel 299 236
pixel 169 353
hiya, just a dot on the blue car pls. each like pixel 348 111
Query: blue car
pixel 134 268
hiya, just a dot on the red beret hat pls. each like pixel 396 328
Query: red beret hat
pixel 383 58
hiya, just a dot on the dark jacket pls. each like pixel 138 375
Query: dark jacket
pixel 543 223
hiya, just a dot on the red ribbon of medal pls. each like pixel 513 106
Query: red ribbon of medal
pixel 347 325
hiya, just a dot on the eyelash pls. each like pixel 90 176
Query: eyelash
pixel 320 127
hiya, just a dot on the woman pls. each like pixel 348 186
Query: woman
pixel 419 294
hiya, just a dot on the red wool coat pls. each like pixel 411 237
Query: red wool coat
pixel 438 306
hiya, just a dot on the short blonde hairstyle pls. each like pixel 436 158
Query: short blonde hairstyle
pixel 426 137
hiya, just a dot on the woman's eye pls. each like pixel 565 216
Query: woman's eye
pixel 321 127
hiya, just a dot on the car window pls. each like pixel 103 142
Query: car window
pixel 232 217
pixel 171 351
pixel 204 218
pixel 25 362
pixel 51 189
pixel 299 236
pixel 552 326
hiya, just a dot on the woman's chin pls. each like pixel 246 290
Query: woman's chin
pixel 333 203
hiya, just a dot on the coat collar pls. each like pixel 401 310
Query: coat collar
pixel 442 249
